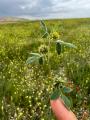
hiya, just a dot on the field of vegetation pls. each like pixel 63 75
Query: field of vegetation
pixel 25 89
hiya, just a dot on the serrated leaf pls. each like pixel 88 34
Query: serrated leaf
pixel 55 95
pixel 66 44
pixel 66 89
pixel 66 101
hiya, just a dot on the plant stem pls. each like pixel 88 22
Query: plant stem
pixel 49 56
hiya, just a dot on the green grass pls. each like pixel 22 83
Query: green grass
pixel 24 89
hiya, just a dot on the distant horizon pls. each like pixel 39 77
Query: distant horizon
pixel 28 18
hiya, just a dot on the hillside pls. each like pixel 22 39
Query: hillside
pixel 11 19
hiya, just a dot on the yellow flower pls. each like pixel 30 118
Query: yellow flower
pixel 55 35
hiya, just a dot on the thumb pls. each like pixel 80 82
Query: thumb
pixel 60 111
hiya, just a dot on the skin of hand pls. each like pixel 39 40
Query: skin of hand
pixel 60 111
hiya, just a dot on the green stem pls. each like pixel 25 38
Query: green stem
pixel 49 56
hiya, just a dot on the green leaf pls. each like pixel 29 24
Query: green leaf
pixel 70 45
pixel 35 58
pixel 66 101
pixel 55 94
pixel 45 35
pixel 58 48
pixel 41 60
pixel 45 29
pixel 66 89
pixel 35 54
pixel 71 101
pixel 43 25
pixel 31 60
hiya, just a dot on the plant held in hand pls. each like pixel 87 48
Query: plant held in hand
pixel 59 93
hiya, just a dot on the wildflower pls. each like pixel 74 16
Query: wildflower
pixel 55 35
pixel 43 49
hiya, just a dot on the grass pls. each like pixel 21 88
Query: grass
pixel 24 89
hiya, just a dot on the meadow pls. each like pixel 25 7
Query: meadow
pixel 25 89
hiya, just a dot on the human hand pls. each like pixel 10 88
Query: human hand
pixel 60 111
